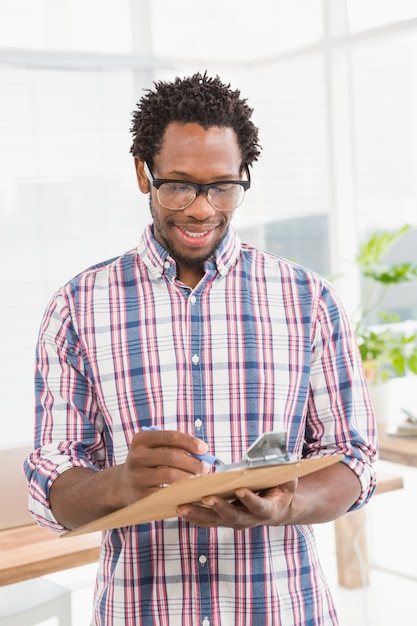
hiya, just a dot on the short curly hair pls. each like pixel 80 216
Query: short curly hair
pixel 196 99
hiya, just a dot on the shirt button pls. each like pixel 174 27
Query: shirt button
pixel 203 559
pixel 195 359
pixel 167 265
pixel 198 423
pixel 205 622
pixel 193 299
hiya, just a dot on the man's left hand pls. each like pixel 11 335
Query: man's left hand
pixel 269 508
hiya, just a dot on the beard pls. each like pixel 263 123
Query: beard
pixel 178 256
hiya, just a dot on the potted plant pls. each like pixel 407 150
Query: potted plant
pixel 386 354
pixel 387 351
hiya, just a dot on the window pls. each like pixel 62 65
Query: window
pixel 66 25
pixel 374 13
pixel 334 96
pixel 233 30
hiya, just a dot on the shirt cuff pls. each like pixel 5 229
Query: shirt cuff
pixel 367 477
pixel 42 468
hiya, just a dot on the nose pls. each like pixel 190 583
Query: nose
pixel 200 208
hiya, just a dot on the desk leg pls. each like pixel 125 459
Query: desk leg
pixel 351 550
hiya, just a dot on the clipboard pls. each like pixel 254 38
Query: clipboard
pixel 163 503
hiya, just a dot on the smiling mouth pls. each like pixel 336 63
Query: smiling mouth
pixel 195 235
pixel 195 232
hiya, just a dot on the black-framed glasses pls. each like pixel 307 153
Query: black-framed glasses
pixel 176 195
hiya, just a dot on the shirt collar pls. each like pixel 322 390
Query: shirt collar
pixel 158 261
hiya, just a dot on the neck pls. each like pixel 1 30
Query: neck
pixel 190 275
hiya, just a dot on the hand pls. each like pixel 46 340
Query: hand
pixel 271 507
pixel 157 458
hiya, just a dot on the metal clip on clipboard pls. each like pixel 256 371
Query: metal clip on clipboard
pixel 268 449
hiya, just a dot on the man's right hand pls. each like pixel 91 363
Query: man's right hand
pixel 155 458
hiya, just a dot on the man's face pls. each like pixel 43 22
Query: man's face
pixel 191 153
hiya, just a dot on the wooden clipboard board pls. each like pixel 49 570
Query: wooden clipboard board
pixel 163 504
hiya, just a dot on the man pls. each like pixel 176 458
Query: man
pixel 194 342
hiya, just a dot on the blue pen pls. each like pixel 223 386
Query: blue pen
pixel 208 458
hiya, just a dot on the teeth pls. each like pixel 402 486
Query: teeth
pixel 195 235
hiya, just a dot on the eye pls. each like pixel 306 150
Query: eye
pixel 177 188
pixel 226 189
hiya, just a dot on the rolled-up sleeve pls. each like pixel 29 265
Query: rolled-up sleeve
pixel 340 414
pixel 68 424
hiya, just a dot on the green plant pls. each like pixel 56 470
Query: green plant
pixel 386 353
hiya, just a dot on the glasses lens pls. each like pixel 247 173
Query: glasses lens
pixel 226 197
pixel 223 197
pixel 176 196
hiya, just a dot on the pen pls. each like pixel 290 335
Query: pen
pixel 208 458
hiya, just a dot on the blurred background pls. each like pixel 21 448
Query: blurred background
pixel 333 85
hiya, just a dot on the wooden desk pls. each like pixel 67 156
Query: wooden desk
pixel 31 551
pixel 401 450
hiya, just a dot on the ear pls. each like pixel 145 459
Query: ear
pixel 142 179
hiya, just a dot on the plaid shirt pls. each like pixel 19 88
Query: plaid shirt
pixel 260 344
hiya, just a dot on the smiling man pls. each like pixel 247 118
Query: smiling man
pixel 189 224
pixel 195 342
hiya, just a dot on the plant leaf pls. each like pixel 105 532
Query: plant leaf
pixel 393 274
pixel 372 251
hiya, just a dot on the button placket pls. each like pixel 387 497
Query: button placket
pixel 196 365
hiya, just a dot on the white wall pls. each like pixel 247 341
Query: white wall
pixel 344 149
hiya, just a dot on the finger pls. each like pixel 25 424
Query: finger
pixel 249 510
pixel 230 514
pixel 244 497
pixel 166 476
pixel 177 464
pixel 170 439
pixel 259 505
pixel 198 515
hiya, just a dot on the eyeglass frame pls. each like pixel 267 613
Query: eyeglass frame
pixel 199 188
